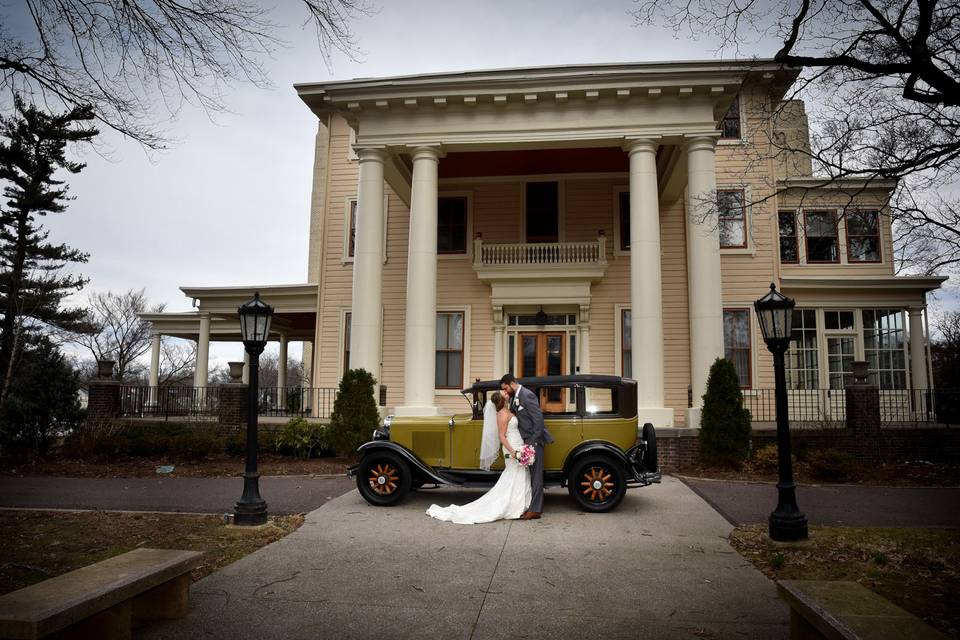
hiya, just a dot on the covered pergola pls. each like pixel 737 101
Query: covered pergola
pixel 216 319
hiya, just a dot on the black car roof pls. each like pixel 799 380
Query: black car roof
pixel 543 381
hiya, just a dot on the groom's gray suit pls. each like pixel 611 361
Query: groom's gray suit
pixel 534 432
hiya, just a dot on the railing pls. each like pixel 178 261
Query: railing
pixel 308 402
pixel 540 253
pixel 167 402
pixel 188 402
pixel 827 407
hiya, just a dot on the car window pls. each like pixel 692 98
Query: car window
pixel 558 400
pixel 602 401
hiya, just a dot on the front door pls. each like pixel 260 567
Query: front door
pixel 542 354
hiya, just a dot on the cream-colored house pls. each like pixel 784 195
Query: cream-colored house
pixel 562 219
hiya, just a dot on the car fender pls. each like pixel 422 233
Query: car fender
pixel 592 447
pixel 419 466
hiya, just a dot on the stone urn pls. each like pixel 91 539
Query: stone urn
pixel 105 369
pixel 236 371
pixel 860 371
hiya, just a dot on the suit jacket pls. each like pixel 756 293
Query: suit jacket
pixel 526 406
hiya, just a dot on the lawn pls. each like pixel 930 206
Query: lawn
pixel 917 569
pixel 42 544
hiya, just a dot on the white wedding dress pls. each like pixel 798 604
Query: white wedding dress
pixel 507 500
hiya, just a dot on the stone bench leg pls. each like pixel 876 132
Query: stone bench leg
pixel 168 601
pixel 109 624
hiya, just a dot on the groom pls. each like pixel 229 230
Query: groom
pixel 526 406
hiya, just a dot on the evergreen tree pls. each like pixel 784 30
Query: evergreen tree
pixel 354 415
pixel 725 422
pixel 32 283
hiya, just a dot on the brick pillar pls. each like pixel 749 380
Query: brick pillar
pixel 232 409
pixel 103 399
pixel 863 415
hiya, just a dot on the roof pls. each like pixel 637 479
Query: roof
pixel 921 283
pixel 543 381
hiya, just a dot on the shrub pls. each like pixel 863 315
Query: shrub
pixel 146 440
pixel 195 445
pixel 832 465
pixel 725 422
pixel 354 415
pixel 765 459
pixel 303 439
pixel 236 443
pixel 99 441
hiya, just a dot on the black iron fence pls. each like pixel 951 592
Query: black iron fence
pixel 168 402
pixel 190 402
pixel 825 407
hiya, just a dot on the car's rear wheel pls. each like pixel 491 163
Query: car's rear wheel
pixel 597 483
pixel 383 478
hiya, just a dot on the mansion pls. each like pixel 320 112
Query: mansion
pixel 612 219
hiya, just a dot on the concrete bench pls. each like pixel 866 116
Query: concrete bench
pixel 847 611
pixel 103 600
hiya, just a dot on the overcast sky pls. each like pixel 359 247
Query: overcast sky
pixel 229 203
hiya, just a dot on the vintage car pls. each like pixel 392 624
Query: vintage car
pixel 597 453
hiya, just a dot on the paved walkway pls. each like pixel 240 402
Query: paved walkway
pixel 284 494
pixel 837 505
pixel 658 567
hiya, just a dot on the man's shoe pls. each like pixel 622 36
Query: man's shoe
pixel 530 515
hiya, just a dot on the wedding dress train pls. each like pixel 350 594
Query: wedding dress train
pixel 507 500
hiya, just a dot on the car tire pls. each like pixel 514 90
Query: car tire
pixel 597 483
pixel 383 478
pixel 649 436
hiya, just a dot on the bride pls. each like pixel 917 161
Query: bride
pixel 509 498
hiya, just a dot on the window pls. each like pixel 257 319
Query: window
pixel 352 234
pixel 736 342
pixel 601 401
pixel 543 212
pixel 803 367
pixel 821 233
pixel 452 225
pixel 838 320
pixel 863 236
pixel 624 212
pixel 730 127
pixel 789 247
pixel 346 341
pixel 626 350
pixel 732 218
pixel 883 347
pixel 449 362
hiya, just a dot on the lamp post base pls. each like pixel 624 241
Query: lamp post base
pixel 250 509
pixel 788 525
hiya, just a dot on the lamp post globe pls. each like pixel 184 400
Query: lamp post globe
pixel 775 316
pixel 255 316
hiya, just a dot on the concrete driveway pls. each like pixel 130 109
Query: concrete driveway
pixel 658 567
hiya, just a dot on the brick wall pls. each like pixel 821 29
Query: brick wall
pixel 103 400
pixel 232 407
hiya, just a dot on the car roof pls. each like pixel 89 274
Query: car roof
pixel 587 379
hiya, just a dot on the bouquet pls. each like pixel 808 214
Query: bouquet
pixel 526 455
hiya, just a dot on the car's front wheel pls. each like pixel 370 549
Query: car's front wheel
pixel 597 483
pixel 383 478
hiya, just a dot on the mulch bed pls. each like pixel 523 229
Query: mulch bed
pixel 916 569
pixel 914 474
pixel 215 466
pixel 39 545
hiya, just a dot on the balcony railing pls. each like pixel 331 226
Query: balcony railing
pixel 203 402
pixel 815 407
pixel 540 253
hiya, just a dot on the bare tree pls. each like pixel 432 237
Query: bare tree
pixel 116 330
pixel 178 359
pixel 133 60
pixel 884 79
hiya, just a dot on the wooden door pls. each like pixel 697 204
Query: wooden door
pixel 543 354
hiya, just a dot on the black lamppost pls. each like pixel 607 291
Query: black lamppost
pixel 775 313
pixel 255 317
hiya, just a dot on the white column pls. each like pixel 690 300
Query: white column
pixel 154 370
pixel 366 331
pixel 646 306
pixel 584 347
pixel 918 352
pixel 282 362
pixel 420 342
pixel 704 284
pixel 498 349
pixel 245 378
pixel 203 352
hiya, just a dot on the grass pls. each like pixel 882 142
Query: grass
pixel 42 544
pixel 917 569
